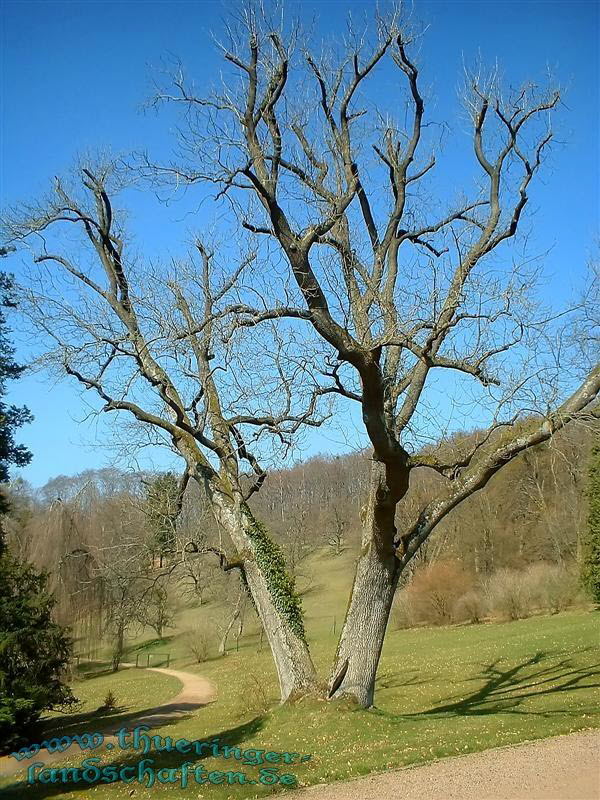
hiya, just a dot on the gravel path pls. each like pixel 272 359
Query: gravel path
pixel 561 768
pixel 195 693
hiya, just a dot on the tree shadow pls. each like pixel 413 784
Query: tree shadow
pixel 109 722
pixel 505 690
pixel 88 670
pixel 392 680
pixel 151 643
pixel 161 760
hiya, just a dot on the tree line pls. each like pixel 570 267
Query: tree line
pixel 124 556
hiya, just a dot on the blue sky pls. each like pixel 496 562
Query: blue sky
pixel 74 76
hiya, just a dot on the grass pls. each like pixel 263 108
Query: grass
pixel 440 692
pixel 134 691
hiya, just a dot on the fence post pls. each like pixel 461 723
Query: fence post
pixel 137 659
pixel 168 659
pixel 334 621
pixel 148 660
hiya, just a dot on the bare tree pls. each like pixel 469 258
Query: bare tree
pixel 296 540
pixel 158 610
pixel 103 564
pixel 336 538
pixel 401 288
pixel 236 616
pixel 175 346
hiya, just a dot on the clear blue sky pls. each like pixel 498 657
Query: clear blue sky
pixel 75 74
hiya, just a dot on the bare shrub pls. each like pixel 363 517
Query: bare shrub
pixel 403 611
pixel 198 643
pixel 551 587
pixel 336 536
pixel 470 607
pixel 253 697
pixel 507 595
pixel 435 589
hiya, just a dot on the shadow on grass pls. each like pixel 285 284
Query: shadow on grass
pixel 162 760
pixel 88 670
pixel 391 680
pixel 504 690
pixel 158 642
pixel 110 722
pixel 500 689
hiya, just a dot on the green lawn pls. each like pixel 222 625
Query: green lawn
pixel 134 690
pixel 440 692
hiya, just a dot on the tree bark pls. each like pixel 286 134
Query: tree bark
pixel 375 582
pixel 273 595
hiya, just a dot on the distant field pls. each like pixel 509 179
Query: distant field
pixel 440 692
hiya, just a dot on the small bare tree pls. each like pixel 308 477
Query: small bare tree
pixel 336 538
pixel 235 618
pixel 297 543
pixel 158 610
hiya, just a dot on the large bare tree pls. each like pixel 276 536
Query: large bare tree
pixel 175 346
pixel 398 283
pixel 401 283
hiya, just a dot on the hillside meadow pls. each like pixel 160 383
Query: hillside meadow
pixel 441 692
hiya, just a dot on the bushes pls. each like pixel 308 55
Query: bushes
pixel 513 594
pixel 506 595
pixel 435 589
pixel 110 702
pixel 198 643
pixel 470 607
pixel 445 593
pixel 403 611
pixel 254 697
pixel 551 588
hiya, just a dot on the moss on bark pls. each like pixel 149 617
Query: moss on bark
pixel 280 583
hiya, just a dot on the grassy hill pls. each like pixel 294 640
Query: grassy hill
pixel 440 692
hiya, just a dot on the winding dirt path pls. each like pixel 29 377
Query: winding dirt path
pixel 195 693
pixel 561 768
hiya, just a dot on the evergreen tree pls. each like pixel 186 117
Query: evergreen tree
pixel 34 650
pixel 11 417
pixel 590 572
pixel 162 510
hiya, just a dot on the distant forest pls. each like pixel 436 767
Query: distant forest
pixel 108 537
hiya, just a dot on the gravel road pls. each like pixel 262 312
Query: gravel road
pixel 561 768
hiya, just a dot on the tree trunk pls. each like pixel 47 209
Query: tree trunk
pixel 119 646
pixel 230 624
pixel 375 581
pixel 272 591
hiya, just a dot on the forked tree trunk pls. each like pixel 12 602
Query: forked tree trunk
pixel 375 581
pixel 272 591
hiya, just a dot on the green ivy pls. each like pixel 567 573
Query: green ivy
pixel 271 562
pixel 590 567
